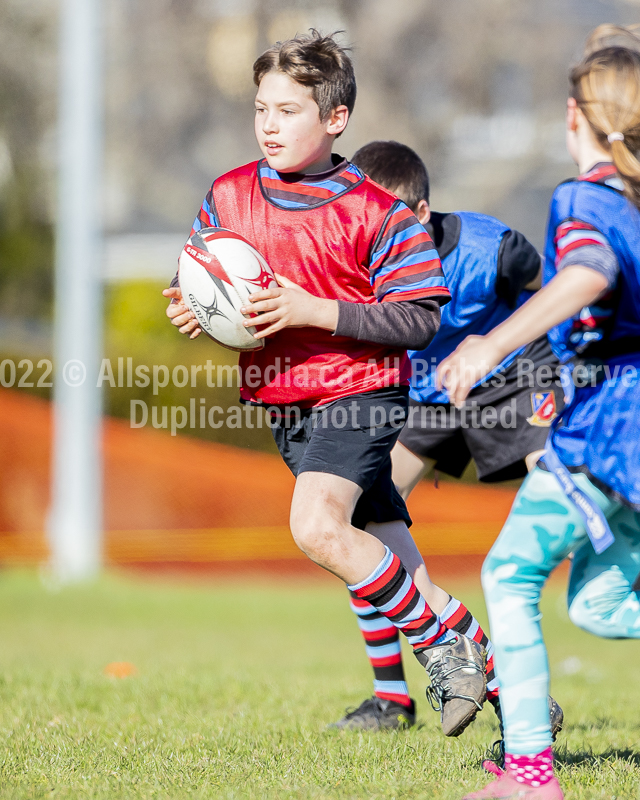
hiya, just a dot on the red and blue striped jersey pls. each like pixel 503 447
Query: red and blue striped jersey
pixel 338 235
pixel 307 191
pixel 206 216
pixel 404 263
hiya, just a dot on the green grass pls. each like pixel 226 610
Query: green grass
pixel 235 684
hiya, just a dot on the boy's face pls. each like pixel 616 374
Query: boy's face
pixel 288 126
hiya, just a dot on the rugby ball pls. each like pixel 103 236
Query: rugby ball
pixel 217 272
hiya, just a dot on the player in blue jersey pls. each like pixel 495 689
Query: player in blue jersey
pixel 584 496
pixel 490 267
pixel 493 269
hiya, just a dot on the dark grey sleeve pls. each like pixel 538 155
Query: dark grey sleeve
pixel 407 324
pixel 599 257
pixel 518 264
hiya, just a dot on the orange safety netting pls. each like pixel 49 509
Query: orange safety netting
pixel 180 500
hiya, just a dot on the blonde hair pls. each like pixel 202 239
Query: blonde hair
pixel 610 35
pixel 606 87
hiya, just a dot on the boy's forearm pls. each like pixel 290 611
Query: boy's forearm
pixel 409 325
pixel 325 314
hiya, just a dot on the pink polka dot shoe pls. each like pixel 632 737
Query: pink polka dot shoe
pixel 507 787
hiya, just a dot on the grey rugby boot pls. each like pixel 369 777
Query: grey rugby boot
pixel 458 681
pixel 556 717
pixel 373 714
pixel 496 751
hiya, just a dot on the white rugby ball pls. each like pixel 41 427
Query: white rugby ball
pixel 217 272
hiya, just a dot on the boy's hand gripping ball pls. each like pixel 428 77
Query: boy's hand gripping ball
pixel 217 272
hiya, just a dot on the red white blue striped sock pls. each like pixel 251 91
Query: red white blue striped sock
pixel 382 643
pixel 458 618
pixel 390 590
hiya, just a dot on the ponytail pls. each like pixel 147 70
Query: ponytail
pixel 606 87
pixel 628 168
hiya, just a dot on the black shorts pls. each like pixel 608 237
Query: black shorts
pixel 353 438
pixel 499 425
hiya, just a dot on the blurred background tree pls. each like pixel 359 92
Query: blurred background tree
pixel 27 107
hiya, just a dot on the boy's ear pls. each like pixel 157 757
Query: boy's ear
pixel 423 212
pixel 337 122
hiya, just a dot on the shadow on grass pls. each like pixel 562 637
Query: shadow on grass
pixel 590 759
pixel 598 723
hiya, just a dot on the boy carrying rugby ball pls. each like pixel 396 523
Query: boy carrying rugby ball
pixel 360 283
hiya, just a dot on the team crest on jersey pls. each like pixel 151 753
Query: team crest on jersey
pixel 543 405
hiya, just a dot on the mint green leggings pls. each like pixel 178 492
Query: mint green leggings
pixel 542 529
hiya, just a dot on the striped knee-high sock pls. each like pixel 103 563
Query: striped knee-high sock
pixel 393 594
pixel 457 617
pixel 382 643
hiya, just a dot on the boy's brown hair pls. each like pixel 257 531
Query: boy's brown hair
pixel 316 61
pixel 396 167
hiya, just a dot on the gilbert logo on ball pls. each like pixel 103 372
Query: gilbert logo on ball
pixel 218 270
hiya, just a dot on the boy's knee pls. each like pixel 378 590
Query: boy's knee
pixel 314 535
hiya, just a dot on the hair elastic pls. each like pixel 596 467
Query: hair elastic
pixel 615 136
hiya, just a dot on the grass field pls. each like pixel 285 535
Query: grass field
pixel 235 685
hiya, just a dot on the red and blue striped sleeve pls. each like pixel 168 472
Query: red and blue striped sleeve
pixel 573 234
pixel 404 263
pixel 580 244
pixel 207 217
